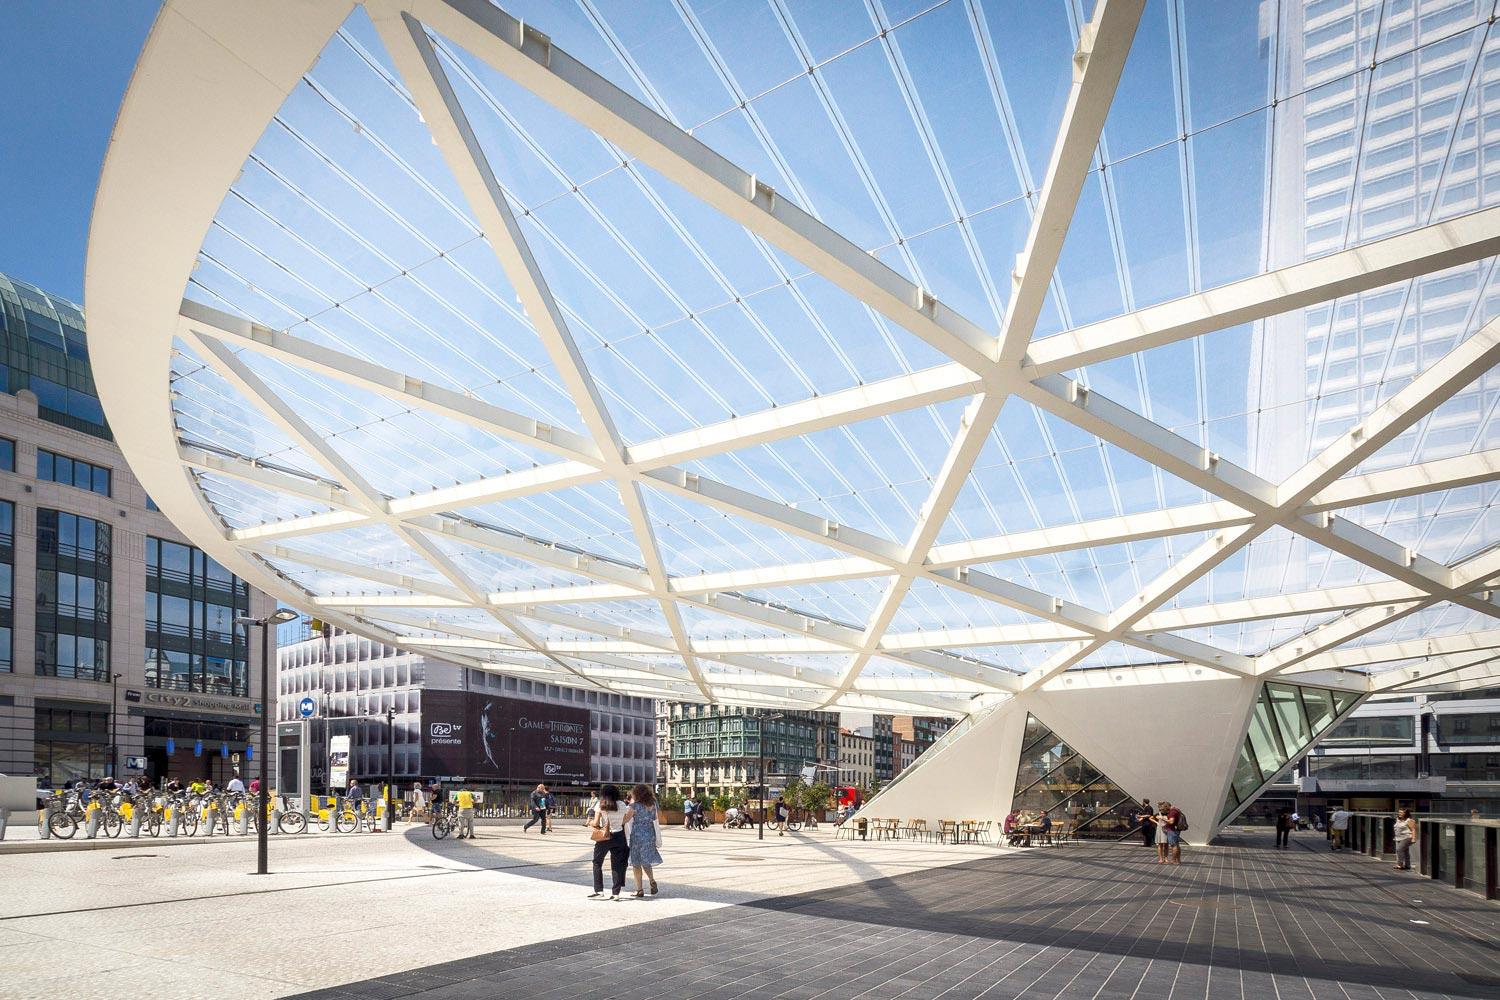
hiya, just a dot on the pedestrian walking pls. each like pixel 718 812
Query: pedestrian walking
pixel 418 801
pixel 1338 827
pixel 538 809
pixel 782 815
pixel 1145 816
pixel 643 835
pixel 1283 829
pixel 465 813
pixel 607 830
pixel 1406 836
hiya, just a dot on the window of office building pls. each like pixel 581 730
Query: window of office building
pixel 56 468
pixel 1374 730
pixel 192 643
pixel 7 585
pixel 72 595
pixel 1471 728
pixel 7 455
pixel 72 744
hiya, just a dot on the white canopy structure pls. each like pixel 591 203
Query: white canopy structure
pixel 903 357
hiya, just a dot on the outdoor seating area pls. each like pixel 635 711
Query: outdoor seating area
pixel 947 831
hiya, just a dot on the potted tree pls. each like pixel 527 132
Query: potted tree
pixel 669 807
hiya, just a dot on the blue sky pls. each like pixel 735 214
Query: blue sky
pixel 67 65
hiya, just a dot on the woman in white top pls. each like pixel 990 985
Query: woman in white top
pixel 1406 836
pixel 607 829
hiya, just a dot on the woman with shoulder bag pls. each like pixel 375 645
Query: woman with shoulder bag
pixel 607 831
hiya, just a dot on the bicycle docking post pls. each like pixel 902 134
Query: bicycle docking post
pixel 242 814
pixel 44 823
pixel 135 818
pixel 91 824
pixel 174 820
pixel 273 808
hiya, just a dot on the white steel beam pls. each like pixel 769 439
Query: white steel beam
pixel 398 387
pixel 252 472
pixel 1103 46
pixel 1396 258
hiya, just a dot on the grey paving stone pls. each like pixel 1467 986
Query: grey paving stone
pixel 1085 921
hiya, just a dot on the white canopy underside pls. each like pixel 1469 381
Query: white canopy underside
pixel 873 358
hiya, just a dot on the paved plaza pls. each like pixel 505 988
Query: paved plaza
pixel 796 917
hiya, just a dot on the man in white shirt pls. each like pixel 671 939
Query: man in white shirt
pixel 1338 825
pixel 235 786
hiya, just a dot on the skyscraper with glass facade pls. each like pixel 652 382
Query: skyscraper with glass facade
pixel 118 649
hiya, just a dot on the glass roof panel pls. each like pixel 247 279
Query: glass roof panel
pixel 1038 471
pixel 873 475
pixel 1442 619
pixel 211 413
pixel 1447 527
pixel 1257 637
pixel 243 504
pixel 495 572
pixel 694 538
pixel 930 605
pixel 852 602
pixel 376 546
pixel 390 444
pixel 589 518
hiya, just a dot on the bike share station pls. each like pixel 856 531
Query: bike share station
pixel 292 809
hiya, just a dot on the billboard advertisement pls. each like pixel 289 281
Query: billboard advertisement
pixel 491 738
pixel 338 762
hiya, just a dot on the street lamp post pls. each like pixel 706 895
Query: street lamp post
pixel 114 708
pixel 263 800
pixel 390 762
pixel 761 834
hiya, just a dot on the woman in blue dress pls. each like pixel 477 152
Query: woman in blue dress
pixel 643 834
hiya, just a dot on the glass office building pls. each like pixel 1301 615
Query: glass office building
pixel 109 654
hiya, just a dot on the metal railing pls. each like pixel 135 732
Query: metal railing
pixel 1458 851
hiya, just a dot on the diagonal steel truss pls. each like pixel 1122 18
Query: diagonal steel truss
pixel 985 368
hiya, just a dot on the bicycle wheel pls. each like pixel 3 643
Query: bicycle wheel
pixel 112 823
pixel 62 826
pixel 347 822
pixel 293 822
pixel 189 822
pixel 153 824
pixel 794 825
pixel 441 827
